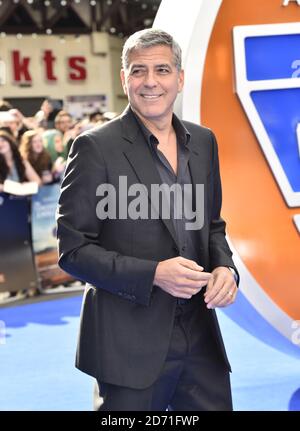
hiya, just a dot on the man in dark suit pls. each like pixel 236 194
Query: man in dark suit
pixel 149 332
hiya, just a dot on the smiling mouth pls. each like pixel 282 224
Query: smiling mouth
pixel 150 96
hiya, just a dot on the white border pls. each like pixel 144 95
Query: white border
pixel 298 137
pixel 296 219
pixel 244 88
pixel 260 301
pixel 191 23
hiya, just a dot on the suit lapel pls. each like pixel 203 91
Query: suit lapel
pixel 197 168
pixel 140 158
pixel 199 174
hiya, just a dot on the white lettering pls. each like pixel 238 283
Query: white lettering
pixel 160 198
pixel 298 136
pixel 106 208
pixel 296 65
pixel 111 421
pixel 287 2
pixel 138 208
pixel 123 205
pixel 296 334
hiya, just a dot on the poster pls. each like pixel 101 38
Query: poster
pixel 44 236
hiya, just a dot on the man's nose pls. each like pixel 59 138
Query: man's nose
pixel 150 79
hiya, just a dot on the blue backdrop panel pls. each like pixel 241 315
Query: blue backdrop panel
pixel 16 258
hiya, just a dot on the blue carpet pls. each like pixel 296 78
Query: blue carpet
pixel 37 362
pixel 263 377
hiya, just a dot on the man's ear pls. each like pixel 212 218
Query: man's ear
pixel 122 76
pixel 180 80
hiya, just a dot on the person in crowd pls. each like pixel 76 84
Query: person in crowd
pixel 20 124
pixel 53 143
pixel 79 127
pixel 6 129
pixel 8 121
pixel 33 150
pixel 96 117
pixel 64 123
pixel 5 105
pixel 45 116
pixel 12 166
pixel 109 115
pixel 149 332
pixel 16 122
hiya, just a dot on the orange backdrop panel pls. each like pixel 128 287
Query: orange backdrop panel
pixel 259 222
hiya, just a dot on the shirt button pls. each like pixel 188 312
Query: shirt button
pixel 175 248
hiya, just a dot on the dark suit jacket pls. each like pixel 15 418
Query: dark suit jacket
pixel 126 322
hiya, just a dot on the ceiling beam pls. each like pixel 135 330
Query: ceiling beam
pixel 107 14
pixel 7 13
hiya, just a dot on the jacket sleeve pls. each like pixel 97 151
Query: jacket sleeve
pixel 219 251
pixel 79 229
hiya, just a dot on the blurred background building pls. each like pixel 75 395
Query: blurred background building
pixel 68 50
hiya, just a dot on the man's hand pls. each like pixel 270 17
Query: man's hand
pixel 180 277
pixel 221 289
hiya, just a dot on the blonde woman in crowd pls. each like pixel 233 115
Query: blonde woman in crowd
pixel 32 149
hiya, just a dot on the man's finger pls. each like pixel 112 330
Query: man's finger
pixel 210 294
pixel 227 299
pixel 191 264
pixel 209 284
pixel 191 274
pixel 221 297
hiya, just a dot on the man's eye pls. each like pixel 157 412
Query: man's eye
pixel 163 70
pixel 137 72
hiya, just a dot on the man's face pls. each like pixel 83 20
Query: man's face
pixel 152 82
pixel 64 123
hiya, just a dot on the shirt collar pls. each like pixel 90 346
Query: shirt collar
pixel 182 134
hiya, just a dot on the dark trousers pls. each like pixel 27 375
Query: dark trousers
pixel 194 376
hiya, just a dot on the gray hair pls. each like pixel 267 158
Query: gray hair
pixel 148 38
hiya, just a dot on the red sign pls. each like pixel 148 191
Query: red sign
pixel 21 67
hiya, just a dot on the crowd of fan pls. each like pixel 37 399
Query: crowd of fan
pixel 36 148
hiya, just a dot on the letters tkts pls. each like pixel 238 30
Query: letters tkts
pixel 21 67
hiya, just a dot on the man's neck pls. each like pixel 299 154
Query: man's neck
pixel 159 127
